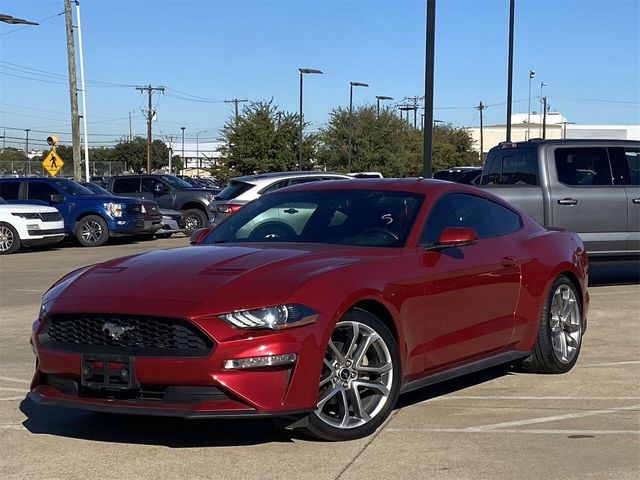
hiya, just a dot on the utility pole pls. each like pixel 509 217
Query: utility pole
pixel 512 13
pixel 26 144
pixel 170 139
pixel 236 102
pixel 544 117
pixel 480 108
pixel 130 134
pixel 73 92
pixel 149 89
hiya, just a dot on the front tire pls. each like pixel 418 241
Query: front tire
pixel 195 219
pixel 360 379
pixel 560 333
pixel 9 239
pixel 92 231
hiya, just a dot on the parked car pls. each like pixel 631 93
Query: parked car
pixel 150 209
pixel 91 218
pixel 466 175
pixel 28 225
pixel 102 180
pixel 199 182
pixel 241 190
pixel 169 192
pixel 173 221
pixel 379 287
pixel 591 187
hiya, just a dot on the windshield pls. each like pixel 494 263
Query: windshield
pixel 176 182
pixel 69 186
pixel 3 201
pixel 373 218
pixel 97 189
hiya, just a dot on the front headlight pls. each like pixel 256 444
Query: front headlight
pixel 114 209
pixel 29 216
pixel 43 311
pixel 275 318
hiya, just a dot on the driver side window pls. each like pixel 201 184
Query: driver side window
pixel 487 218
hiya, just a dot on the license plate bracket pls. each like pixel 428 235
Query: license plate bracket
pixel 110 372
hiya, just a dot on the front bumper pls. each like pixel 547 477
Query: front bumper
pixel 276 391
pixel 127 225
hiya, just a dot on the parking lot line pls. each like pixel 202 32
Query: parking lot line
pixel 10 389
pixel 520 397
pixel 17 380
pixel 612 364
pixel 522 431
pixel 553 418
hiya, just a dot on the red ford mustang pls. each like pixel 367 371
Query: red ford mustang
pixel 321 303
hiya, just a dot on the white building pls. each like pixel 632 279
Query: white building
pixel 557 126
pixel 197 158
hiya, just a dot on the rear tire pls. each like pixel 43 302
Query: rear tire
pixel 360 379
pixel 560 333
pixel 163 235
pixel 92 231
pixel 9 239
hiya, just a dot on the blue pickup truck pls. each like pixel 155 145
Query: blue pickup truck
pixel 92 219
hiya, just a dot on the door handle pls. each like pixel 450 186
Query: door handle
pixel 636 200
pixel 290 211
pixel 567 201
pixel 508 261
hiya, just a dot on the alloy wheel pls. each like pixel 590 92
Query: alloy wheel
pixel 357 376
pixel 91 231
pixel 566 332
pixel 6 239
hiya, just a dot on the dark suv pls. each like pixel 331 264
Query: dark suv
pixel 169 192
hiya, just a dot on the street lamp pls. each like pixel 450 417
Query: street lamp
pixel 303 71
pixel 564 128
pixel 198 147
pixel 183 162
pixel 378 98
pixel 351 85
pixel 542 85
pixel 532 74
pixel 15 21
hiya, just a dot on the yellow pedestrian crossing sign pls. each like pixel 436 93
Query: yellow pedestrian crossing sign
pixel 52 163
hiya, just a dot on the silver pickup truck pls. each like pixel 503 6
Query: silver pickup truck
pixel 589 186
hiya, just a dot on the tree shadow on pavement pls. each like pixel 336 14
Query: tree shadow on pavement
pixel 149 430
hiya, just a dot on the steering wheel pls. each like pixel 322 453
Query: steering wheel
pixel 383 232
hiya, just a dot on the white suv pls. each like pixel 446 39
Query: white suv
pixel 29 225
pixel 241 190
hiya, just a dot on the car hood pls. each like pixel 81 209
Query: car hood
pixel 24 208
pixel 222 278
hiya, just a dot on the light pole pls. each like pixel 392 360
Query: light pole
pixel 542 85
pixel 26 145
pixel 198 147
pixel 564 128
pixel 351 85
pixel 378 98
pixel 183 162
pixel 303 71
pixel 532 74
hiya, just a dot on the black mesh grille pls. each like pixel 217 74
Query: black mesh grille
pixel 51 216
pixel 124 334
pixel 134 208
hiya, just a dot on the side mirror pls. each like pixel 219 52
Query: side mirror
pixel 198 235
pixel 455 237
pixel 159 188
pixel 56 198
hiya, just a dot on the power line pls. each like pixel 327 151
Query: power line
pixel 25 26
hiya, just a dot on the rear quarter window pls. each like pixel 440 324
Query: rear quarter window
pixel 126 185
pixel 234 190
pixel 9 189
pixel 583 166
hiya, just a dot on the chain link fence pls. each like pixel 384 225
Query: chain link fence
pixel 35 169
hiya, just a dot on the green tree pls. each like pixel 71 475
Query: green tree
pixel 262 140
pixel 11 154
pixel 133 153
pixel 387 144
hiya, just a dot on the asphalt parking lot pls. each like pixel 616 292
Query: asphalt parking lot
pixel 493 425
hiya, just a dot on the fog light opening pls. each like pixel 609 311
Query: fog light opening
pixel 259 362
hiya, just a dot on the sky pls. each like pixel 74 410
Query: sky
pixel 208 51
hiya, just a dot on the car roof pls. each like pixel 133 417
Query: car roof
pixel 534 142
pixel 275 176
pixel 416 185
